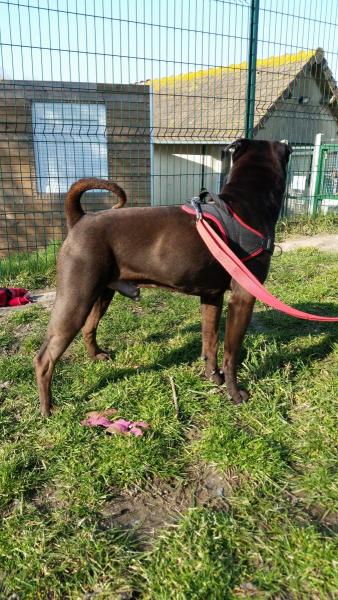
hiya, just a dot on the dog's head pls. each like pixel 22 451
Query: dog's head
pixel 259 159
pixel 259 169
pixel 240 147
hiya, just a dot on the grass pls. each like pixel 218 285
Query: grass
pixel 33 270
pixel 275 539
pixel 306 225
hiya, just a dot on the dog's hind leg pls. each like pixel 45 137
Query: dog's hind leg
pixel 90 327
pixel 240 309
pixel 68 316
pixel 211 309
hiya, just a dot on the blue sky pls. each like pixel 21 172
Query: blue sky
pixel 124 41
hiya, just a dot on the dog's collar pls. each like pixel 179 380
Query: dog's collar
pixel 244 240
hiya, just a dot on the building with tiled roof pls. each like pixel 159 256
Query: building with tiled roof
pixel 194 114
pixel 211 104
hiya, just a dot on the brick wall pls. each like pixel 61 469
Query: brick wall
pixel 31 220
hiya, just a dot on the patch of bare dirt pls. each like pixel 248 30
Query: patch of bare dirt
pixel 20 333
pixel 137 309
pixel 326 517
pixel 248 590
pixel 323 517
pixel 159 503
pixel 49 499
pixel 44 297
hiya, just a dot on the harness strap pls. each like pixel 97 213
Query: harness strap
pixel 228 221
pixel 238 271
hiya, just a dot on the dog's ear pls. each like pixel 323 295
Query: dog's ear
pixel 288 150
pixel 285 149
pixel 237 147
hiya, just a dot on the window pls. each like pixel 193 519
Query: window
pixel 69 142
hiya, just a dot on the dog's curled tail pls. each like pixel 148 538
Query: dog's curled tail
pixel 73 207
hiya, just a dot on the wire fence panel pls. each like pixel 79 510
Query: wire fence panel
pixel 327 181
pixel 148 92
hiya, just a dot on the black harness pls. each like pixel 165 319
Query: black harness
pixel 243 239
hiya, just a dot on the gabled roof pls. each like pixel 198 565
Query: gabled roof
pixel 210 104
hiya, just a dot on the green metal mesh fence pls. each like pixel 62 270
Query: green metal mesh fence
pixel 148 92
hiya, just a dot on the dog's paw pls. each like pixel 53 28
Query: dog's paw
pixel 102 355
pixel 240 397
pixel 216 377
pixel 46 411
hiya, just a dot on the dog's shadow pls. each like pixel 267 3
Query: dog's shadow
pixel 186 354
pixel 279 328
pixel 282 329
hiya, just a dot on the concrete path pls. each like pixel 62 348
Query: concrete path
pixel 328 242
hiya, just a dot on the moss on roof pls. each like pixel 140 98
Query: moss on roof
pixel 273 61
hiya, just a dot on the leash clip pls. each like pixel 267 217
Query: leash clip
pixel 203 194
pixel 268 244
pixel 196 204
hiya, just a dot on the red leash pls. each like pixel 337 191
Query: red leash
pixel 235 267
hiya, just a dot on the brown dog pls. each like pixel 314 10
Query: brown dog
pixel 159 246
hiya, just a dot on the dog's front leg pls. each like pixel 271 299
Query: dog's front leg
pixel 240 308
pixel 211 312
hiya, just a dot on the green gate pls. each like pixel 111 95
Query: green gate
pixel 326 194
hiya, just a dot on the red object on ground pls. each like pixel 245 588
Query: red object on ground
pixel 119 426
pixel 14 297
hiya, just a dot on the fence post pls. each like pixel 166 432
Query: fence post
pixel 314 175
pixel 252 59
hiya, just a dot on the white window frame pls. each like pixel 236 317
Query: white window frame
pixel 70 142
